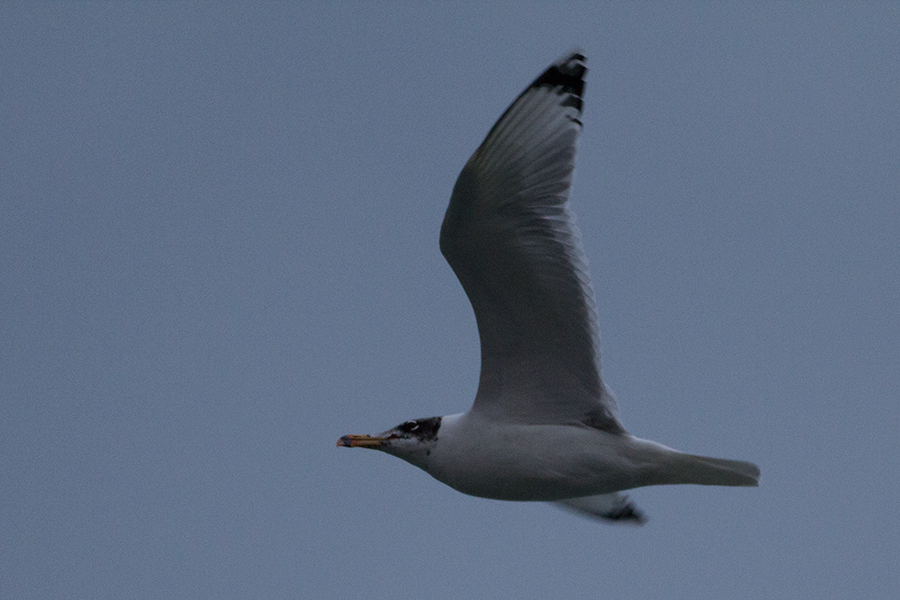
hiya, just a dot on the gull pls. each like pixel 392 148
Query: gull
pixel 543 426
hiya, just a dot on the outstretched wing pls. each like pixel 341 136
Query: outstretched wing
pixel 610 507
pixel 510 238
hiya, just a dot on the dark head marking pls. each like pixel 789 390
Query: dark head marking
pixel 424 429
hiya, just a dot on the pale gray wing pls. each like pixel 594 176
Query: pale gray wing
pixel 510 238
pixel 610 507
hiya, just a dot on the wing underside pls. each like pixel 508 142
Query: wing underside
pixel 609 507
pixel 511 239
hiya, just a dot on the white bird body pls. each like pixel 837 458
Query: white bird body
pixel 552 462
pixel 543 426
pixel 572 460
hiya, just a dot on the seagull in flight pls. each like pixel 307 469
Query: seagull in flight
pixel 543 426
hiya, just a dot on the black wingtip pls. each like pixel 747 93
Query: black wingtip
pixel 627 513
pixel 566 76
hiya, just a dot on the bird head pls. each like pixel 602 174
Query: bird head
pixel 411 440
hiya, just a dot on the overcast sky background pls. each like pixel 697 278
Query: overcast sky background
pixel 219 253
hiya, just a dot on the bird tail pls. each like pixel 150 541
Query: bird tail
pixel 705 470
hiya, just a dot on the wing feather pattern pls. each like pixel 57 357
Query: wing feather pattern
pixel 511 239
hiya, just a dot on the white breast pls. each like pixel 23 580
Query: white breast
pixel 517 461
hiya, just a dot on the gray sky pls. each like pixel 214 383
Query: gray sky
pixel 218 254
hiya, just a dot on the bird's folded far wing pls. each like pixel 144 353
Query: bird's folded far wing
pixel 610 507
pixel 510 238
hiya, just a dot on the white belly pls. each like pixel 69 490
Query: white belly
pixel 537 462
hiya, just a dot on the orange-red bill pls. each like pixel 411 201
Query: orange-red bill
pixel 360 441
